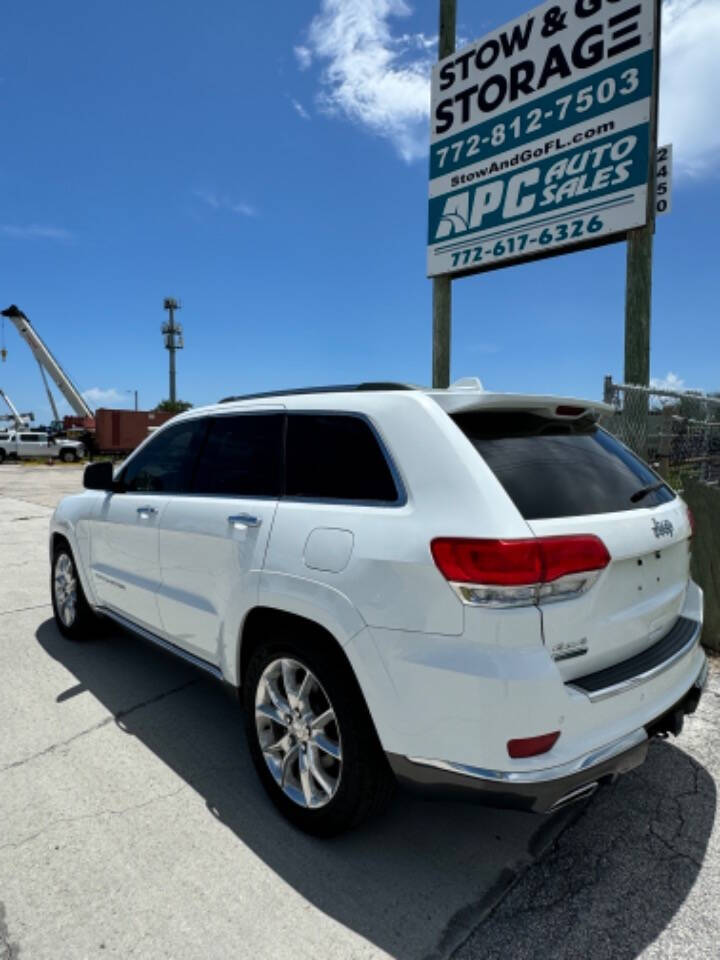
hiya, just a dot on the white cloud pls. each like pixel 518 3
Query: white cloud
pixel 208 197
pixel 381 81
pixel 690 83
pixel 35 231
pixel 304 56
pixel 300 109
pixel 243 208
pixel 107 397
pixel 221 202
pixel 371 77
pixel 669 382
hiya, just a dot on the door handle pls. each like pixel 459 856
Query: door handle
pixel 242 520
pixel 146 512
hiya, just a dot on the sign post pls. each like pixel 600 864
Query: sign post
pixel 638 286
pixel 442 289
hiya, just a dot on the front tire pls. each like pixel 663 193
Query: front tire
pixel 73 615
pixel 67 456
pixel 311 738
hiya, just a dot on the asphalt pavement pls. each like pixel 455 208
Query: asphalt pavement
pixel 132 823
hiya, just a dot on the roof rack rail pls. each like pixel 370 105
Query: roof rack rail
pixel 335 388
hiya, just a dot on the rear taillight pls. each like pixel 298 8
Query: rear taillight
pixel 502 562
pixel 691 520
pixel 565 555
pixel 504 573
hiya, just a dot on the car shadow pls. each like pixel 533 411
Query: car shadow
pixel 615 879
pixel 414 882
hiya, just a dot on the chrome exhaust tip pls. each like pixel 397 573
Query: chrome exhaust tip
pixel 580 793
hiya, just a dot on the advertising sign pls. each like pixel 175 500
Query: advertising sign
pixel 540 135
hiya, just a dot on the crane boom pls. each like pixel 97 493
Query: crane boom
pixel 48 362
pixel 48 391
pixel 21 419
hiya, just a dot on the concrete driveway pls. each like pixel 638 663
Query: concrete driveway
pixel 132 823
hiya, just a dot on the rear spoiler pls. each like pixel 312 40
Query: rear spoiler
pixel 464 400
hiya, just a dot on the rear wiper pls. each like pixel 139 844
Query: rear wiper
pixel 644 491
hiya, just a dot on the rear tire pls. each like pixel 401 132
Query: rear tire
pixel 73 615
pixel 2 456
pixel 67 456
pixel 311 738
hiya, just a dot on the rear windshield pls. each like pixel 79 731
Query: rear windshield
pixel 552 468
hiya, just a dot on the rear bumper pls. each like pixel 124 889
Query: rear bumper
pixel 547 790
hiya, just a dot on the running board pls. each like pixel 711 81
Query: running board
pixel 163 644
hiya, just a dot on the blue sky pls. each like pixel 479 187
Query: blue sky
pixel 267 164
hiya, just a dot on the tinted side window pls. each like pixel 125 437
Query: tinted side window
pixel 335 457
pixel 29 438
pixel 166 463
pixel 552 468
pixel 242 456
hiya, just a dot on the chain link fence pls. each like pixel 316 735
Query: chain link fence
pixel 677 431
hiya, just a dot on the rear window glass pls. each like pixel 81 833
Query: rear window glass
pixel 553 468
pixel 336 457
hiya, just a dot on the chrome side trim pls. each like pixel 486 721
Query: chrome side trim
pixel 639 678
pixel 163 644
pixel 585 762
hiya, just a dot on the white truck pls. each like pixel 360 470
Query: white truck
pixel 32 445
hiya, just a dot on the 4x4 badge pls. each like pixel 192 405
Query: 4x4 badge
pixel 663 528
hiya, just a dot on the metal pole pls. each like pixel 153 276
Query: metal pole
pixel 442 292
pixel 136 401
pixel 173 340
pixel 171 351
pixel 638 287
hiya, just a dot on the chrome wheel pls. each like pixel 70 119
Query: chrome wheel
pixel 65 586
pixel 298 733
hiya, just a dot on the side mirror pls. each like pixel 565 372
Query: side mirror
pixel 98 476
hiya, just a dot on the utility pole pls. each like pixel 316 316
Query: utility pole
pixel 173 335
pixel 442 290
pixel 638 284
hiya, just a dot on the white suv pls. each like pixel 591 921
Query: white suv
pixel 469 592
